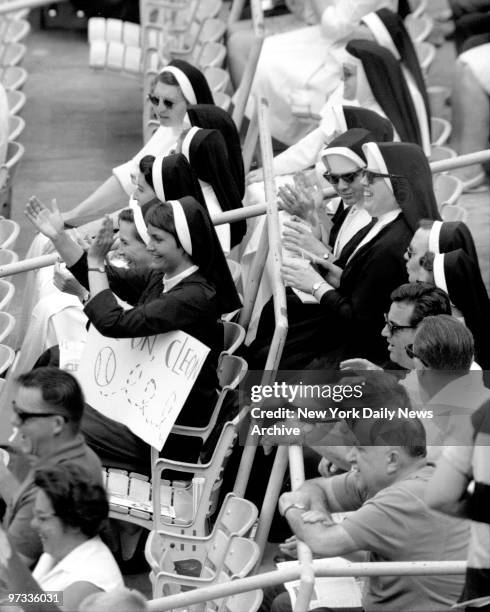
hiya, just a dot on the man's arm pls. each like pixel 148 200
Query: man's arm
pixel 447 488
pixel 107 198
pixel 323 540
pixel 8 484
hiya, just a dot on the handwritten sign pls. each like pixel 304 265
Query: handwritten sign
pixel 141 382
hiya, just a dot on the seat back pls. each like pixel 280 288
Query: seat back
pixel 233 337
pixel 7 324
pixel 222 100
pixel 211 54
pixel 16 101
pixel 13 77
pixel 16 127
pixel 418 7
pixel 440 130
pixel 9 229
pixel 242 601
pixel 440 153
pixel 237 515
pixel 7 291
pixel 218 79
pixel 426 53
pixel 241 557
pixel 454 213
pixel 418 27
pixel 11 54
pixel 447 189
pixel 17 30
pixel 231 371
pixel 7 356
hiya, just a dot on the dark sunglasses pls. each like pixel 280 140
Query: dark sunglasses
pixel 348 178
pixel 371 176
pixel 393 327
pixel 412 355
pixel 155 100
pixel 23 415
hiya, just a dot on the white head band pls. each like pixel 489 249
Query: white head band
pixel 376 161
pixel 439 275
pixel 186 143
pixel 181 226
pixel 184 83
pixel 434 234
pixel 139 222
pixel 344 152
pixel 381 33
pixel 156 175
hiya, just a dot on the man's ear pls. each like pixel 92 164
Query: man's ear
pixel 393 460
pixel 59 424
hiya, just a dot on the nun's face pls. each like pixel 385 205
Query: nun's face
pixel 143 192
pixel 349 77
pixel 168 104
pixel 347 177
pixel 132 247
pixel 378 197
pixel 418 247
pixel 166 255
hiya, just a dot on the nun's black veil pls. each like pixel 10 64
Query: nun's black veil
pixel 213 117
pixel 197 79
pixel 389 87
pixel 208 157
pixel 380 128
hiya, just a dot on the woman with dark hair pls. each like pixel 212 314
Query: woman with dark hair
pixel 207 154
pixel 197 290
pixel 176 87
pixel 398 193
pixel 211 117
pixel 69 512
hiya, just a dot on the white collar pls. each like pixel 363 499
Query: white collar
pixel 169 282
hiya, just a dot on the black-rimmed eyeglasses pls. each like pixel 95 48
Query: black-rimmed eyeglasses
pixel 348 177
pixel 393 327
pixel 23 415
pixel 371 176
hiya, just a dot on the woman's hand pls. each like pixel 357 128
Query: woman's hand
pixel 297 276
pixel 298 237
pixel 297 202
pixel 101 244
pixel 67 283
pixel 317 516
pixel 290 547
pixel 48 222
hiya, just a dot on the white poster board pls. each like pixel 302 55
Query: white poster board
pixel 141 382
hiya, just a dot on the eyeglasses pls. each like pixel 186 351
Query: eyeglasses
pixel 23 415
pixel 348 178
pixel 155 100
pixel 412 355
pixel 393 327
pixel 371 176
pixel 410 252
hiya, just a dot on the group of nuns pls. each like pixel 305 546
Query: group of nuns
pixel 191 169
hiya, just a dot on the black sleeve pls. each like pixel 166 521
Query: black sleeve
pixel 126 284
pixel 181 308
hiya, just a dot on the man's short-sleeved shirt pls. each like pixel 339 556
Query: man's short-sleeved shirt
pixel 19 513
pixel 397 525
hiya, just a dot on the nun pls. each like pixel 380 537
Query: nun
pixel 165 178
pixel 207 154
pixel 211 117
pixel 177 86
pixel 187 287
pixel 398 193
pixel 456 274
pixel 389 31
pixel 389 88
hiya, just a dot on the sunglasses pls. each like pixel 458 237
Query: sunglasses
pixel 348 178
pixel 155 100
pixel 371 176
pixel 24 416
pixel 393 327
pixel 412 355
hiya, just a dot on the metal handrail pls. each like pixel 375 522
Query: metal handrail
pixel 321 567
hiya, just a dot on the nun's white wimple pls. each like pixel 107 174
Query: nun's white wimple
pixel 380 33
pixel 439 275
pixel 184 83
pixel 186 143
pixel 375 161
pixel 139 222
pixel 156 175
pixel 344 152
pixel 434 234
pixel 181 226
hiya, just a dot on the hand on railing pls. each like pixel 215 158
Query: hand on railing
pixel 48 222
pixel 290 547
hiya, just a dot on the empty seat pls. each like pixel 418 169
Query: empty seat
pixel 16 127
pixel 7 356
pixel 440 153
pixel 15 152
pixel 418 27
pixel 454 213
pixel 7 324
pixel 13 77
pixel 440 129
pixel 418 7
pixel 16 101
pixel 12 54
pixel 447 189
pixel 7 291
pixel 222 100
pixel 426 53
pixel 15 30
pixel 218 79
pixel 211 54
pixel 233 337
pixel 9 232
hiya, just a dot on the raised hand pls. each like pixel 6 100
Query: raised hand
pixel 48 221
pixel 102 243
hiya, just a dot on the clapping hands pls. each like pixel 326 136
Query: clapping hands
pixel 48 221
